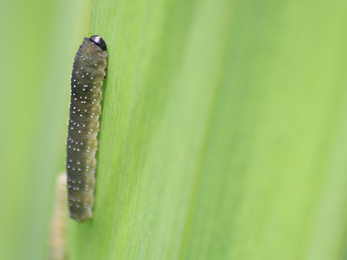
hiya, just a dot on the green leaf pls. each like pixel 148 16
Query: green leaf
pixel 221 132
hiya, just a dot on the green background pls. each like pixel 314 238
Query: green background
pixel 223 131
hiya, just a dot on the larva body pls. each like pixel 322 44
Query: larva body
pixel 88 72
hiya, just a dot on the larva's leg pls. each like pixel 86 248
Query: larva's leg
pixel 58 222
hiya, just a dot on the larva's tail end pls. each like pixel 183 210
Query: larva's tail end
pixel 81 203
pixel 82 217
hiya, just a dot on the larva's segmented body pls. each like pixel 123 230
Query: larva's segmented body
pixel 88 71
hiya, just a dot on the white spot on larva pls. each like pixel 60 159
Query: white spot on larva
pixel 81 115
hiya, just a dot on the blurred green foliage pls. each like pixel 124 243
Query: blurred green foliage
pixel 223 131
pixel 39 39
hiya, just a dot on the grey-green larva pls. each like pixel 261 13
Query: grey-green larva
pixel 88 72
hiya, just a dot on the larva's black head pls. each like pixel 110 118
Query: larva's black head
pixel 99 41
